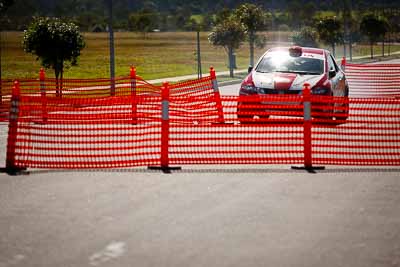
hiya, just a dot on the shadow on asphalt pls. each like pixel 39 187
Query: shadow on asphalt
pixel 217 170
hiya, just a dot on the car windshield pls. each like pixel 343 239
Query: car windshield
pixel 280 62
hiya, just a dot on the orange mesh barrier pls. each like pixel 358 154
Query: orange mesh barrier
pixel 5 96
pixel 195 102
pixel 370 135
pixel 373 80
pixel 74 88
pixel 261 140
pixel 98 88
pixel 77 129
pixel 190 123
pixel 87 133
pixel 100 133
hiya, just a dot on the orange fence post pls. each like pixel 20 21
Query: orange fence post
pixel 42 78
pixel 307 131
pixel 133 94
pixel 307 126
pixel 343 63
pixel 165 94
pixel 11 167
pixel 165 126
pixel 217 95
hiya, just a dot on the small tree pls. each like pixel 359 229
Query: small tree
pixel 253 19
pixel 229 33
pixel 143 22
pixel 306 37
pixel 373 28
pixel 206 23
pixel 146 20
pixel 4 4
pixel 54 42
pixel 293 9
pixel 330 32
pixel 393 27
pixel 350 26
pixel 222 15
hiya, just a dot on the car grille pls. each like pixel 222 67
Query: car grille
pixel 278 92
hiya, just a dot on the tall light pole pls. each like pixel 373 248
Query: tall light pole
pixel 199 72
pixel 112 55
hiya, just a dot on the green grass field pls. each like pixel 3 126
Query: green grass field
pixel 159 55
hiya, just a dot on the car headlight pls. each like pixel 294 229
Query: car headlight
pixel 249 88
pixel 320 91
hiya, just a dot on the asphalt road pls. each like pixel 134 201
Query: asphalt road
pixel 246 215
pixel 210 216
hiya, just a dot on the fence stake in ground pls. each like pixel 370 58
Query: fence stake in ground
pixel 11 168
pixel 42 77
pixel 133 94
pixel 343 64
pixel 307 134
pixel 165 131
pixel 217 95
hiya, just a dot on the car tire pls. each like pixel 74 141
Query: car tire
pixel 343 114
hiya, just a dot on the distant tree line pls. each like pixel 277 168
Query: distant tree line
pixel 328 21
pixel 180 15
pixel 347 28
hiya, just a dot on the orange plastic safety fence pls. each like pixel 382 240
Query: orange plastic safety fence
pixel 370 135
pixel 373 80
pixel 138 124
pixel 75 88
pixel 88 133
pixel 99 133
pixel 194 102
pixel 256 137
pixel 5 96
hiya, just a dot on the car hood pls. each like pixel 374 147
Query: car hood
pixel 284 81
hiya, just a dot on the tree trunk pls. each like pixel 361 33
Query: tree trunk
pixel 230 56
pixel 344 49
pixel 350 47
pixel 251 43
pixel 57 74
pixel 372 50
pixel 383 47
pixel 61 80
pixel 333 49
pixel 58 71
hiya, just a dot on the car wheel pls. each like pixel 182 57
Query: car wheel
pixel 342 113
pixel 323 111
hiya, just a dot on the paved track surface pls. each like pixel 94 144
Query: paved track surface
pixel 201 216
pixel 212 216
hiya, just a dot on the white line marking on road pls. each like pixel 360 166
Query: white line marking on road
pixel 14 261
pixel 111 251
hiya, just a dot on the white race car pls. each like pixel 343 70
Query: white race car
pixel 284 71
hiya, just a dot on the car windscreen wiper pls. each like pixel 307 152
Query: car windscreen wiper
pixel 285 71
pixel 260 71
pixel 308 72
pixel 299 72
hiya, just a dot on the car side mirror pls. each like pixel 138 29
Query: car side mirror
pixel 332 73
pixel 249 69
